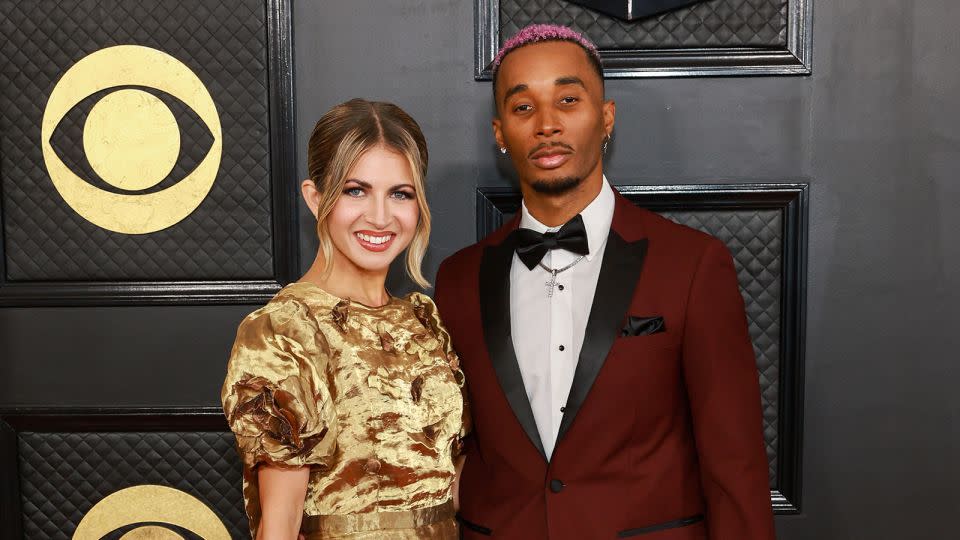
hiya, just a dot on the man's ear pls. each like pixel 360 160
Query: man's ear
pixel 609 115
pixel 498 133
pixel 310 195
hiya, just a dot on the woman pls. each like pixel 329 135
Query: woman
pixel 346 401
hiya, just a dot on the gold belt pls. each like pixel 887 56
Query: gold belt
pixel 335 524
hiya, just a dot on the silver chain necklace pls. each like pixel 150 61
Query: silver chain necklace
pixel 553 274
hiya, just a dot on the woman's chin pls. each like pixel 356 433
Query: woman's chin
pixel 373 264
pixel 370 261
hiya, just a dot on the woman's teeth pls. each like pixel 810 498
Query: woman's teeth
pixel 374 239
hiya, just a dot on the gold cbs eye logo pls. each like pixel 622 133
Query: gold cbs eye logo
pixel 131 139
pixel 145 507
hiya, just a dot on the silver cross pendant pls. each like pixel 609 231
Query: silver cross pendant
pixel 551 284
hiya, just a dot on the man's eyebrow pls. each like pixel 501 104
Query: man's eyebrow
pixel 570 80
pixel 513 90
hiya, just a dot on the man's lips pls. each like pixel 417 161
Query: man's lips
pixel 551 157
pixel 551 160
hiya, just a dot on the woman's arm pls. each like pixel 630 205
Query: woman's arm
pixel 282 494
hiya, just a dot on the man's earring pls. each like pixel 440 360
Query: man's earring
pixel 606 141
pixel 503 149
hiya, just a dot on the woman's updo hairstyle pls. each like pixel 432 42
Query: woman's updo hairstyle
pixel 341 137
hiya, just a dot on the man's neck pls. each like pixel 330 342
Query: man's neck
pixel 555 210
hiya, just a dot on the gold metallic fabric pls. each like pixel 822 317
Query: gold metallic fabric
pixel 371 399
pixel 432 522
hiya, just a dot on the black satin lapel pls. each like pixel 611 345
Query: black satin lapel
pixel 619 273
pixel 495 314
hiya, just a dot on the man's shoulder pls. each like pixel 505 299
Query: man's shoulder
pixel 664 230
pixel 465 254
pixel 463 259
pixel 459 273
pixel 470 256
pixel 663 226
pixel 674 252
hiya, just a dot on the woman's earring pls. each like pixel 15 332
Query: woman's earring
pixel 503 149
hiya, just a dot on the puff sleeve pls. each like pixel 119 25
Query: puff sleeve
pixel 276 395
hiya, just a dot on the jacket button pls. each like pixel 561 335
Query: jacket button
pixel 556 486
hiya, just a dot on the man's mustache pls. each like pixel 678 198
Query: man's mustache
pixel 541 146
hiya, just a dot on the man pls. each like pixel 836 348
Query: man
pixel 608 360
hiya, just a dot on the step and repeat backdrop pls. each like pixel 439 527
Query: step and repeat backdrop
pixel 146 158
pixel 145 148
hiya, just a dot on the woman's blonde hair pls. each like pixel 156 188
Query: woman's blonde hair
pixel 340 138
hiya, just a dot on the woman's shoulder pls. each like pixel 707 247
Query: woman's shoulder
pixel 422 307
pixel 303 298
pixel 418 298
pixel 289 317
pixel 295 304
pixel 425 310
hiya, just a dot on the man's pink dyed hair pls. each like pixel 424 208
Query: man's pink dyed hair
pixel 536 33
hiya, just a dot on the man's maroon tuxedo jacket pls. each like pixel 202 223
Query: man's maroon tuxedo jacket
pixel 661 436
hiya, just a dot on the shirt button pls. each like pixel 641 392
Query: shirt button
pixel 560 287
pixel 561 347
pixel 372 466
pixel 563 409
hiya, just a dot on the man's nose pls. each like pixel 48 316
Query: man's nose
pixel 548 123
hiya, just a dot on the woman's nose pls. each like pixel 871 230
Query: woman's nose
pixel 378 215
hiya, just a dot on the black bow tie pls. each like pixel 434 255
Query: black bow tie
pixel 531 246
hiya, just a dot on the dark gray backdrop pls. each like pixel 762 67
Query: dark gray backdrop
pixel 873 130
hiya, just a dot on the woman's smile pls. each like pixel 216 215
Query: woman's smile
pixel 374 241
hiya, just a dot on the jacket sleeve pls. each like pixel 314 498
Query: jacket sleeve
pixel 721 377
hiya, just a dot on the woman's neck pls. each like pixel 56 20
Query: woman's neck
pixel 348 281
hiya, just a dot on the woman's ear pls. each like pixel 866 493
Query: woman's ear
pixel 311 195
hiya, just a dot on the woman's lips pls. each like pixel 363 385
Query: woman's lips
pixel 373 241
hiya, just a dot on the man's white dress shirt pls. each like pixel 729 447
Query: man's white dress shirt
pixel 547 331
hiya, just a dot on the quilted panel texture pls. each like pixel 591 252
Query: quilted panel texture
pixel 225 43
pixel 755 239
pixel 63 475
pixel 715 23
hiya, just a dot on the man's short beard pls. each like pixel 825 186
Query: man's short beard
pixel 557 186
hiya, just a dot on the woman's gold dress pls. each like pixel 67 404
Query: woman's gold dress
pixel 371 399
